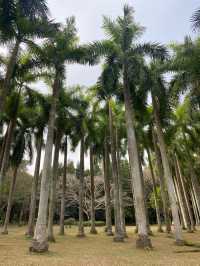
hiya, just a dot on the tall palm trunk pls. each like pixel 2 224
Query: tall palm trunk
pixel 93 229
pixel 62 205
pixel 194 180
pixel 122 215
pixel 10 197
pixel 186 202
pixel 194 205
pixel 3 146
pixel 168 176
pixel 155 192
pixel 182 210
pixel 53 181
pixel 8 142
pixel 32 208
pixel 107 189
pixel 164 194
pixel 40 243
pixel 118 237
pixel 196 187
pixel 21 214
pixel 81 189
pixel 143 240
pixel 9 72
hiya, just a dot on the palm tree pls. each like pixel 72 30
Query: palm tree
pixel 20 22
pixel 39 102
pixel 65 108
pixel 54 53
pixel 123 32
pixel 155 192
pixel 54 177
pixel 118 223
pixel 25 74
pixel 161 105
pixel 107 87
pixel 64 147
pixel 66 123
pixel 22 143
pixel 107 187
pixel 164 193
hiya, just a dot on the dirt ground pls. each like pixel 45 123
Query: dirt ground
pixel 98 250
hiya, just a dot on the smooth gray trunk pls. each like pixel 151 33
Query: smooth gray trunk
pixel 62 205
pixel 107 189
pixel 32 208
pixel 186 203
pixel 143 240
pixel 6 154
pixel 182 212
pixel 81 232
pixel 164 194
pixel 122 215
pixel 194 180
pixel 92 229
pixel 40 242
pixel 194 205
pixel 53 182
pixel 3 146
pixel 155 193
pixel 118 237
pixel 10 198
pixel 168 176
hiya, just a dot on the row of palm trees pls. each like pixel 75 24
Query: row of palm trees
pixel 131 109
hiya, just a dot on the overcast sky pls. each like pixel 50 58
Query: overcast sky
pixel 165 21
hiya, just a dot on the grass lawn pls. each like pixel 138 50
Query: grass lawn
pixel 97 250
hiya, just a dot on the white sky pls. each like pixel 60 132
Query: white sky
pixel 165 21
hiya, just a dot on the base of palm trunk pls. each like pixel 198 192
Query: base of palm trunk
pixel 39 247
pixel 93 231
pixel 190 231
pixel 109 233
pixel 179 242
pixel 118 238
pixel 160 230
pixel 4 232
pixel 80 235
pixel 51 239
pixel 143 242
pixel 29 234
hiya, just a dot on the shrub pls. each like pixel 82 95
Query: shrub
pixel 97 223
pixel 70 221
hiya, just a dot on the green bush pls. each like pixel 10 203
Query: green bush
pixel 97 223
pixel 70 221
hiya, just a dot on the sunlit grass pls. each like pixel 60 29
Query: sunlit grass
pixel 97 250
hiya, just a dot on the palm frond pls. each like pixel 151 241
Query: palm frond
pixel 196 20
pixel 155 50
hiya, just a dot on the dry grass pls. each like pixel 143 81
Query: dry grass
pixel 98 250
